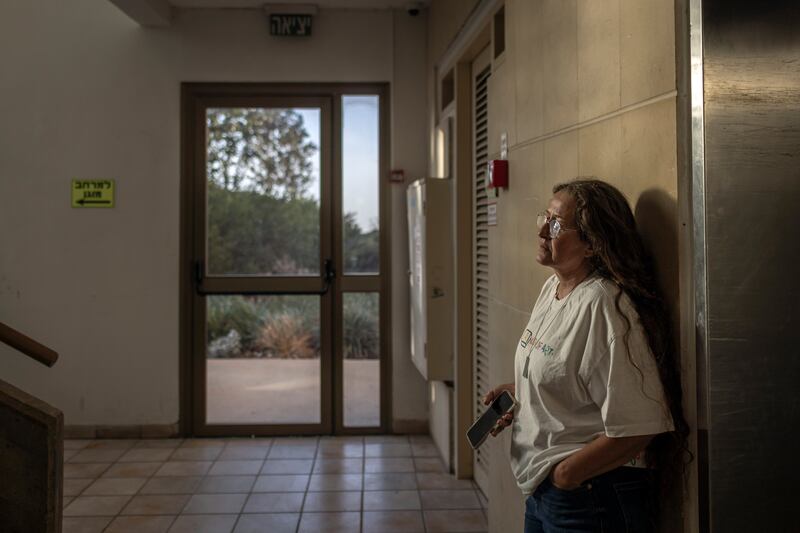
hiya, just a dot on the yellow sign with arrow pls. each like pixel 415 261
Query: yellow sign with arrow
pixel 92 193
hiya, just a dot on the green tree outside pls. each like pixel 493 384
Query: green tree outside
pixel 263 219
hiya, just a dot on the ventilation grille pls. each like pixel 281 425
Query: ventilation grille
pixel 480 246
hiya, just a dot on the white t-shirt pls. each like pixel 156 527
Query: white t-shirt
pixel 581 383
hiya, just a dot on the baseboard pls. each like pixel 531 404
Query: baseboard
pixel 166 431
pixel 410 427
pixel 148 431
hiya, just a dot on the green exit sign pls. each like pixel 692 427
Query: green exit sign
pixel 290 25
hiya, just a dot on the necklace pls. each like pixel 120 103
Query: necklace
pixel 536 337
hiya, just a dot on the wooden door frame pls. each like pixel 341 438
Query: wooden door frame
pixel 191 96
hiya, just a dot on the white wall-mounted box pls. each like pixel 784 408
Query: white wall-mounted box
pixel 429 202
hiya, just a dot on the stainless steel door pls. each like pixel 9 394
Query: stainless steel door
pixel 749 319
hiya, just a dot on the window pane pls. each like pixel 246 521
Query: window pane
pixel 263 189
pixel 360 174
pixel 362 384
pixel 263 360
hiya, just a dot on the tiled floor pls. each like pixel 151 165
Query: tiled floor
pixel 309 484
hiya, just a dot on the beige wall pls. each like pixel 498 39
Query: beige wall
pixel 585 87
pixel 85 92
pixel 445 20
pixel 410 402
pixel 447 17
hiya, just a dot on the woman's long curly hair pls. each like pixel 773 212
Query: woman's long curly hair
pixel 604 220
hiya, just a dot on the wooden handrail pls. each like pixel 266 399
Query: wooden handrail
pixel 28 346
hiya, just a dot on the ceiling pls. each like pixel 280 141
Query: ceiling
pixel 321 4
pixel 158 13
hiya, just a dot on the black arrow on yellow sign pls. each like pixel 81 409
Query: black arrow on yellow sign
pixel 82 201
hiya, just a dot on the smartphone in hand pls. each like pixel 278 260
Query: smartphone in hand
pixel 502 404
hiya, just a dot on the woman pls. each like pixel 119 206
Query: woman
pixel 596 379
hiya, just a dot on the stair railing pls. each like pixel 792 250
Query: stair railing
pixel 28 346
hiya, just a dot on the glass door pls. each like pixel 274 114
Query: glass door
pixel 264 266
pixel 288 298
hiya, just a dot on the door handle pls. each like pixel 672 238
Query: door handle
pixel 198 273
pixel 329 275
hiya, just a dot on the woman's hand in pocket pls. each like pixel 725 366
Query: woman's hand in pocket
pixel 559 479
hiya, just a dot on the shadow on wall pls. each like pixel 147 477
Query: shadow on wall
pixel 656 215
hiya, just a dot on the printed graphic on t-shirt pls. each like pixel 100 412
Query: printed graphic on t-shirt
pixel 539 346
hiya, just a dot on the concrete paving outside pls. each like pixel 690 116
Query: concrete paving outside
pixel 287 391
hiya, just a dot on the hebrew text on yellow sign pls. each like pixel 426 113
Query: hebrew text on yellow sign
pixel 92 193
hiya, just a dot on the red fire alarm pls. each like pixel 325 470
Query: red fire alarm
pixel 497 174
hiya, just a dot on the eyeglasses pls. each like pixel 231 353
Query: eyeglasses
pixel 554 226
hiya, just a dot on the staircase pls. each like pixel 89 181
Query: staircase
pixel 31 450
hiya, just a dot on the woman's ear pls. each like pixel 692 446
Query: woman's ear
pixel 589 252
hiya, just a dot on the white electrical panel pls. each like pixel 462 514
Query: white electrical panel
pixel 430 241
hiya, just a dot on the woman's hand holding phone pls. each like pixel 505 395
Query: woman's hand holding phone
pixel 506 419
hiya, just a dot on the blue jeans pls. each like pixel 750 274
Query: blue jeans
pixel 619 501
